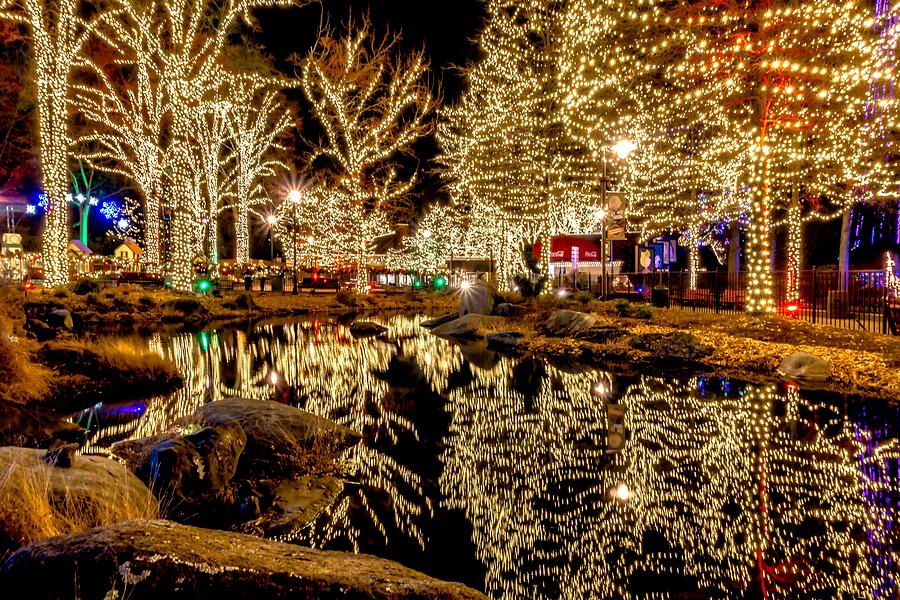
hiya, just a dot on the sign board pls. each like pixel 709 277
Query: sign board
pixel 615 232
pixel 616 204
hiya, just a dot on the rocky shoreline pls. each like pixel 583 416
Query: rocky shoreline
pixel 235 482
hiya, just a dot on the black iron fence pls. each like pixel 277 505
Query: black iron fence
pixel 860 300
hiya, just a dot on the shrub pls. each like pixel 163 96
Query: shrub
pixel 584 297
pixel 86 286
pixel 23 380
pixel 146 302
pixel 346 297
pixel 622 307
pixel 644 312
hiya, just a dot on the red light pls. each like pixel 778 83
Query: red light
pixel 792 309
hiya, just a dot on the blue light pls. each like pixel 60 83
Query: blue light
pixel 110 210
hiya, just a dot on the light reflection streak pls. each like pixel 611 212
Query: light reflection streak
pixel 730 486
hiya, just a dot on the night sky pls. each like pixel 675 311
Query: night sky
pixel 446 29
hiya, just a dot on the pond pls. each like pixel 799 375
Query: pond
pixel 527 480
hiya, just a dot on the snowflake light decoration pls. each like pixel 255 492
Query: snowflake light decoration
pixel 110 211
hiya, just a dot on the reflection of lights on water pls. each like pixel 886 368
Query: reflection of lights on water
pixel 600 388
pixel 622 492
pixel 273 378
pixel 428 358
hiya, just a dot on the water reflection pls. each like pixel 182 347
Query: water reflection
pixel 529 481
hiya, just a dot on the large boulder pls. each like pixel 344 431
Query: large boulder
pixel 469 326
pixel 504 341
pixel 677 346
pixel 296 503
pixel 805 366
pixel 279 437
pixel 194 467
pixel 477 299
pixel 159 559
pixel 508 309
pixel 25 426
pixel 569 323
pixel 60 318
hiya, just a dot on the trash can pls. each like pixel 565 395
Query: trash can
pixel 278 283
pixel 248 283
pixel 659 297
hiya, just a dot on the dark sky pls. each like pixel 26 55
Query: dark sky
pixel 444 28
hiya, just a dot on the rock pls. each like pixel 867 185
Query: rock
pixel 60 455
pixel 242 301
pixel 569 323
pixel 478 299
pixel 147 560
pixel 366 329
pixel 278 435
pixel 507 309
pixel 297 503
pixel 86 286
pixel 600 334
pixel 183 309
pixel 432 323
pixel 468 326
pixel 504 340
pixel 197 467
pixel 60 318
pixel 805 366
pixel 94 482
pixel 671 346
pixel 40 330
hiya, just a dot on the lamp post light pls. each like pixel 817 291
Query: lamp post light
pixel 295 197
pixel 623 149
pixel 272 220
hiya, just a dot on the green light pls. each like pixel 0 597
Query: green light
pixel 440 283
pixel 204 341
pixel 168 284
pixel 417 284
pixel 203 285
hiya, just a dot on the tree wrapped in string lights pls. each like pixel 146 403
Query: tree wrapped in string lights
pixel 776 70
pixel 124 105
pixel 256 118
pixel 372 107
pixel 59 32
pixel 190 55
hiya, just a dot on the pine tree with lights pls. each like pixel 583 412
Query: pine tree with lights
pixel 504 144
pixel 372 106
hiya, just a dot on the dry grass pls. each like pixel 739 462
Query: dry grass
pixel 31 509
pixel 23 380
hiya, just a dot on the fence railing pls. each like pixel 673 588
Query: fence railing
pixel 861 301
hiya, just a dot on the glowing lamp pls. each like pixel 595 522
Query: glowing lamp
pixel 203 285
pixel 623 148
pixel 295 196
pixel 792 309
pixel 465 286
pixel 272 219
pixel 621 492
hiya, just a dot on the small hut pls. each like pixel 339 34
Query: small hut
pixel 128 251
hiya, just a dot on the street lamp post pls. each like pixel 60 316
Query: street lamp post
pixel 295 196
pixel 623 148
pixel 272 220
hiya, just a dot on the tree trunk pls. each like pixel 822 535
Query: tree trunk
pixel 844 257
pixel 794 247
pixel 734 250
pixel 694 257
pixel 152 254
pixel 83 220
pixel 760 298
pixel 242 231
pixel 53 127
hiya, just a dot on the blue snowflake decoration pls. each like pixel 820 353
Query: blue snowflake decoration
pixel 42 201
pixel 124 224
pixel 110 210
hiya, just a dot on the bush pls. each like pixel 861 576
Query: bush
pixel 346 297
pixel 644 312
pixel 584 297
pixel 23 380
pixel 146 302
pixel 622 307
pixel 86 286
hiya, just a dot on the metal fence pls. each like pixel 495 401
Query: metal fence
pixel 861 302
